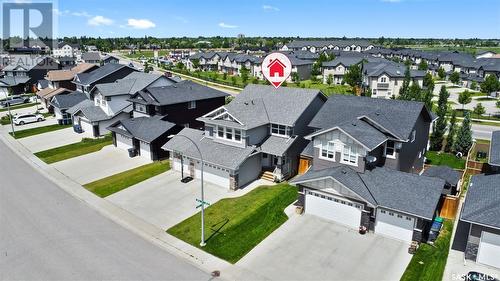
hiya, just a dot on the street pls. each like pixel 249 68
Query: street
pixel 46 234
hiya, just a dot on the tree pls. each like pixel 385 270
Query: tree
pixel 441 73
pixel 196 63
pixel 296 78
pixel 423 65
pixel 490 84
pixel 415 92
pixel 479 109
pixel 404 91
pixel 439 128
pixel 464 98
pixel 179 65
pixel 244 74
pixel 427 98
pixel 452 131
pixel 233 80
pixel 473 85
pixel 498 103
pixel 329 79
pixel 428 82
pixel 224 76
pixel 353 76
pixel 455 77
pixel 463 141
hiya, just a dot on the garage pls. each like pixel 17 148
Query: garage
pixel 394 225
pixel 489 249
pixel 87 128
pixel 123 142
pixel 144 148
pixel 211 173
pixel 342 211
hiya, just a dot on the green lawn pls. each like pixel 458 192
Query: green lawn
pixel 478 94
pixel 233 226
pixel 18 106
pixel 39 130
pixel 145 53
pixel 443 158
pixel 115 183
pixel 73 150
pixel 429 261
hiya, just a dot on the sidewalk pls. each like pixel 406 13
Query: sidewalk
pixel 147 231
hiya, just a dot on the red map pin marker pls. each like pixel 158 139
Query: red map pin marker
pixel 276 67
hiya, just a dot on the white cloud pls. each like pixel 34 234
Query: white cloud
pixel 270 8
pixel 99 20
pixel 140 23
pixel 81 14
pixel 225 25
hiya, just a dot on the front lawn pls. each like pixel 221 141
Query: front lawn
pixel 74 150
pixel 429 261
pixel 39 130
pixel 447 159
pixel 234 226
pixel 25 105
pixel 120 181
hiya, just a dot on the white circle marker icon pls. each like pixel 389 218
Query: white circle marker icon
pixel 276 67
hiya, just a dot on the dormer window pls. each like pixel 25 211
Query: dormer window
pixel 327 151
pixel 383 79
pixel 390 149
pixel 350 154
pixel 280 130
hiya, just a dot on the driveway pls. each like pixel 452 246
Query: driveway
pixel 309 248
pixel 93 166
pixel 165 201
pixel 50 140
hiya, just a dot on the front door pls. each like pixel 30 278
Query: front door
pixel 95 129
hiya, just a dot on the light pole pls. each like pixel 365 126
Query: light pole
pixel 10 116
pixel 202 243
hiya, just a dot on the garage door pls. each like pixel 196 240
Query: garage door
pixel 87 128
pixel 213 174
pixel 394 225
pixel 123 142
pixel 144 149
pixel 339 210
pixel 489 249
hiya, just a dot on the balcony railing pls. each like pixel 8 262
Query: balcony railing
pixel 382 85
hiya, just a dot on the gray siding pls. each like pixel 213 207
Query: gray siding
pixel 249 170
pixel 257 135
pixel 301 126
pixel 319 164
pixel 474 238
pixel 408 155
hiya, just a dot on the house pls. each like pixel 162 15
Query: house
pixel 321 45
pixel 92 48
pixel 63 49
pixel 108 73
pixel 92 57
pixel 61 103
pixel 494 154
pixel 46 94
pixel 449 175
pixel 109 102
pixel 366 155
pixel 110 59
pixel 480 212
pixel 145 135
pixel 182 103
pixel 64 78
pixel 339 67
pixel 22 72
pixel 261 130
pixel 67 62
pixel 485 54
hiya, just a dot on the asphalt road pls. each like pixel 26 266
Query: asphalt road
pixel 46 234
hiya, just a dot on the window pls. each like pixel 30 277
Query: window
pixel 350 154
pixel 383 79
pixel 400 216
pixel 408 218
pixel 280 130
pixel 391 214
pixel 192 104
pixel 374 92
pixel 413 134
pixel 229 134
pixel 237 135
pixel 328 151
pixel 220 132
pixel 140 107
pixel 390 150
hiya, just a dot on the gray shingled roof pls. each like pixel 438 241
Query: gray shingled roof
pixel 277 145
pixel 129 85
pixel 392 69
pixel 326 43
pixel 180 92
pixel 91 56
pixel 146 129
pixel 382 187
pixel 396 116
pixel 495 149
pixel 227 156
pixel 308 150
pixel 97 74
pixel 482 202
pixel 344 60
pixel 95 113
pixel 446 173
pixel 14 80
pixel 366 134
pixel 68 100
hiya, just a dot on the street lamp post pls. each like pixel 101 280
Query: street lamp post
pixel 202 243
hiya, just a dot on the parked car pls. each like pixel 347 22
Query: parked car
pixel 14 100
pixel 478 276
pixel 22 119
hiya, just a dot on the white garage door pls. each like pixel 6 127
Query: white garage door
pixel 214 175
pixel 339 210
pixel 489 249
pixel 144 149
pixel 394 225
pixel 123 142
pixel 87 128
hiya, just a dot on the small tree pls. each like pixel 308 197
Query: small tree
pixel 479 110
pixel 490 84
pixel 329 79
pixel 452 131
pixel 463 141
pixel 428 82
pixel 224 76
pixel 464 98
pixel 255 80
pixel 455 77
pixel 427 98
pixel 423 65
pixel 353 77
pixel 233 80
pixel 195 63
pixel 441 73
pixel 296 78
pixel 439 128
pixel 404 91
pixel 473 85
pixel 244 74
pixel 179 66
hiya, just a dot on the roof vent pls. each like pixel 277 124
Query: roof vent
pixel 377 113
pixel 354 124
pixel 344 171
pixel 398 72
pixel 246 103
pixel 371 159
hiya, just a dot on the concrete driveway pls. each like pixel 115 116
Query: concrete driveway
pixel 93 166
pixel 309 248
pixel 50 140
pixel 165 201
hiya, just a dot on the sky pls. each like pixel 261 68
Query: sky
pixel 316 18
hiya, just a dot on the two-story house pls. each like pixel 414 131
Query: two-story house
pixel 108 73
pixel 364 152
pixel 92 57
pixel 63 49
pixel 261 130
pixel 109 102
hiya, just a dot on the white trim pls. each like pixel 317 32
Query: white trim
pixel 309 137
pixel 385 150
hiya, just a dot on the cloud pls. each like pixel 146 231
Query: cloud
pixel 225 25
pixel 99 20
pixel 270 8
pixel 81 14
pixel 140 23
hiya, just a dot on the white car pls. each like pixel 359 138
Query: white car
pixel 22 119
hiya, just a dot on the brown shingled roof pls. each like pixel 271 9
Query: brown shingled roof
pixel 62 75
